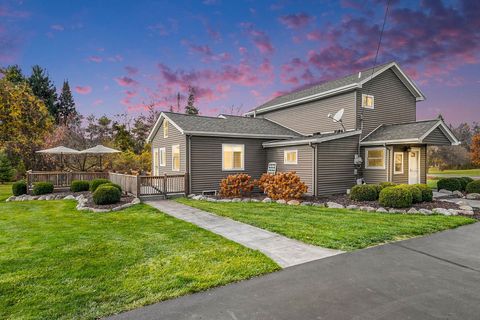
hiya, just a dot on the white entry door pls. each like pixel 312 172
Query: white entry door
pixel 414 166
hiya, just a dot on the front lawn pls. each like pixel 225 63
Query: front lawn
pixel 59 263
pixel 460 173
pixel 332 228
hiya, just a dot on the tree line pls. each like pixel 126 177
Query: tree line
pixel 34 116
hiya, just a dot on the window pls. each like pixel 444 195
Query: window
pixel 155 162
pixel 232 156
pixel 165 128
pixel 176 158
pixel 398 165
pixel 375 158
pixel 368 101
pixel 290 156
pixel 162 155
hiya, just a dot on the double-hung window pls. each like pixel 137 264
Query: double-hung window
pixel 398 165
pixel 162 156
pixel 368 101
pixel 165 128
pixel 176 157
pixel 233 156
pixel 290 156
pixel 375 158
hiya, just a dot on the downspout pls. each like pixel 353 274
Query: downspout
pixel 189 152
pixel 314 168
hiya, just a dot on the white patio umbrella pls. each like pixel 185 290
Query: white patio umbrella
pixel 61 150
pixel 99 150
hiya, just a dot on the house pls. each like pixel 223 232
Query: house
pixel 378 138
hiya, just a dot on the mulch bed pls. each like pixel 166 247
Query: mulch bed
pixel 123 200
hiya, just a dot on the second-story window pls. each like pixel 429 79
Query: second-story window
pixel 368 101
pixel 165 128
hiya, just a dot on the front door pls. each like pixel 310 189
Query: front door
pixel 414 166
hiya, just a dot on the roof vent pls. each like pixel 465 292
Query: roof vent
pixel 359 74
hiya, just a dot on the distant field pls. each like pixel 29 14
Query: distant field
pixel 469 172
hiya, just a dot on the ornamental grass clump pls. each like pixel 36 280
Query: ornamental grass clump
pixel 106 195
pixel 364 192
pixel 283 185
pixel 236 185
pixel 396 197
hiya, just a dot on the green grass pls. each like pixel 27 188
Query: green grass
pixel 469 172
pixel 332 228
pixel 59 263
pixel 432 183
pixel 5 191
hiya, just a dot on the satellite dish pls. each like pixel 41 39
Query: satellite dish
pixel 338 116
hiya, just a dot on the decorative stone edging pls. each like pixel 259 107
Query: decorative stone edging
pixel 459 194
pixel 81 200
pixel 464 208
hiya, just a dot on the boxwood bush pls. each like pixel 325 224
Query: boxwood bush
pixel 396 197
pixel 467 179
pixel 473 187
pixel 79 185
pixel 19 188
pixel 387 184
pixel 416 193
pixel 427 193
pixel 111 184
pixel 364 192
pixel 40 188
pixel 106 195
pixel 451 184
pixel 94 184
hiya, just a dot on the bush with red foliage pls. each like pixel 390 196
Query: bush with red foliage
pixel 236 185
pixel 283 185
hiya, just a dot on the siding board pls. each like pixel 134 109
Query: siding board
pixel 437 137
pixel 174 137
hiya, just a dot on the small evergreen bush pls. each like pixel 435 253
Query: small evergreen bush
pixel 19 188
pixel 364 192
pixel 396 197
pixel 40 188
pixel 451 184
pixel 427 193
pixel 417 196
pixel 473 187
pixel 387 184
pixel 106 195
pixel 94 184
pixel 111 184
pixel 79 186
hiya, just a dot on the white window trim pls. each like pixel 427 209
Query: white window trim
pixel 285 152
pixel 179 159
pixel 160 158
pixel 167 126
pixel 384 158
pixel 373 101
pixel 394 159
pixel 155 162
pixel 243 156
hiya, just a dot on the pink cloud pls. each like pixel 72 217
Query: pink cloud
pixel 83 89
pixel 125 81
pixel 259 38
pixel 295 21
pixel 131 70
pixel 314 35
pixel 95 59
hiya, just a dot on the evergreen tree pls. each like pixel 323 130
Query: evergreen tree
pixel 13 74
pixel 6 169
pixel 44 89
pixel 66 111
pixel 190 107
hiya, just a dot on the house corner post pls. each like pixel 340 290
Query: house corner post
pixel 186 185
pixel 138 186
pixel 165 177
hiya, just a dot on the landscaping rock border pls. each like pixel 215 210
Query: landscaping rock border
pixel 82 201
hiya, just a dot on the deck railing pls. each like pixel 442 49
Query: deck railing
pixel 128 182
pixel 62 179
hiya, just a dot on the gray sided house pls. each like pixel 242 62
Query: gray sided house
pixel 378 138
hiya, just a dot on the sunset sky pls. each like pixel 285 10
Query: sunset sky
pixel 120 55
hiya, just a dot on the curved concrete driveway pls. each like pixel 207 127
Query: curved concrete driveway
pixel 435 277
pixel 284 251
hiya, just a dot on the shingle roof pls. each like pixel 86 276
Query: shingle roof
pixel 323 87
pixel 229 125
pixel 403 131
pixel 316 138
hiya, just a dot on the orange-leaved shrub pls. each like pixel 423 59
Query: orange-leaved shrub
pixel 283 185
pixel 236 185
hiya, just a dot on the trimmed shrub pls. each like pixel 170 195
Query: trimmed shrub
pixel 364 192
pixel 416 193
pixel 106 195
pixel 236 185
pixel 94 184
pixel 79 186
pixel 111 184
pixel 283 185
pixel 473 187
pixel 19 188
pixel 427 193
pixel 40 188
pixel 396 197
pixel 387 184
pixel 451 184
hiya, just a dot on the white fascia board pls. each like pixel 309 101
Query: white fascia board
pixel 449 134
pixel 310 140
pixel 384 142
pixel 305 99
pixel 237 135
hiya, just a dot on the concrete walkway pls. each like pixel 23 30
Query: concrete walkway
pixel 284 251
pixel 434 277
